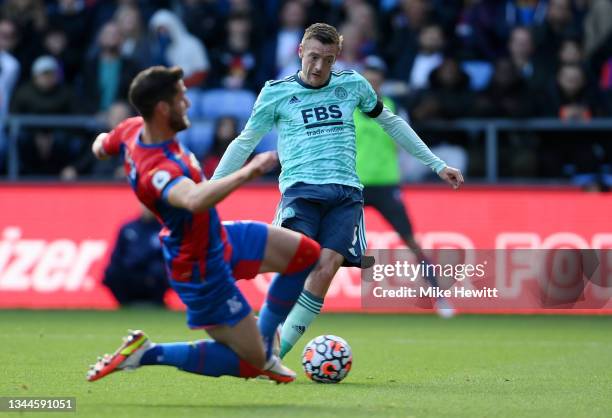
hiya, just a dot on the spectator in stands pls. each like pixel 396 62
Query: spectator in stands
pixel 318 11
pixel 9 74
pixel 76 18
pixel 558 25
pixel 111 167
pixel 364 17
pixel 360 34
pixel 135 43
pixel 30 18
pixel 483 30
pixel 254 11
pixel 598 48
pixel 448 95
pixel 529 66
pixel 235 63
pixel 414 36
pixel 173 45
pixel 571 98
pixel 338 11
pixel 351 57
pixel 485 25
pixel 597 26
pixel 30 15
pixel 400 34
pixel 56 44
pixel 571 52
pixel 107 75
pixel 417 69
pixel 10 40
pixel 45 94
pixel 204 19
pixel 226 129
pixel 83 163
pixel 507 95
pixel 280 51
pixel 9 35
pixel 44 151
pixel 135 273
pixel 602 65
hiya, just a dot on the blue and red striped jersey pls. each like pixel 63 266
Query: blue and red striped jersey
pixel 194 244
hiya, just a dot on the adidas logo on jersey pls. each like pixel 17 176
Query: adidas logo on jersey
pixel 301 329
pixel 294 100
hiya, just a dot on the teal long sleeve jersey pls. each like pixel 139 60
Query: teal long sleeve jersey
pixel 316 132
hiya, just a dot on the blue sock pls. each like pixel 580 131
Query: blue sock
pixel 206 357
pixel 282 294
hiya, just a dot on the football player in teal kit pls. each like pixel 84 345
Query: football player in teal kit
pixel 321 193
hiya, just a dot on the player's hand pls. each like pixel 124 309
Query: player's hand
pixel 262 163
pixel 97 148
pixel 452 176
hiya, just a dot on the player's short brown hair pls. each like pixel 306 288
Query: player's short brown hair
pixel 324 33
pixel 153 85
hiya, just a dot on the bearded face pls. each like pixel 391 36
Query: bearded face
pixel 178 120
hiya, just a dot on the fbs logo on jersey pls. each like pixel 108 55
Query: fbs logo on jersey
pixel 160 179
pixel 322 113
pixel 294 100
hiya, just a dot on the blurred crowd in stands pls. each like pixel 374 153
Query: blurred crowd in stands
pixel 445 59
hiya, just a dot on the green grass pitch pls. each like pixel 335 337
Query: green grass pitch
pixel 404 366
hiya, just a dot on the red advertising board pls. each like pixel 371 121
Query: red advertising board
pixel 56 240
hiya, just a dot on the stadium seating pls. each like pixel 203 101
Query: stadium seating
pixel 198 138
pixel 480 73
pixel 220 102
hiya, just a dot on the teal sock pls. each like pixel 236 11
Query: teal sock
pixel 301 316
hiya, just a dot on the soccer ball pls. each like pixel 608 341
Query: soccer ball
pixel 327 359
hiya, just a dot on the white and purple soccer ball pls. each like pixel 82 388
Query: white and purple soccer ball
pixel 327 359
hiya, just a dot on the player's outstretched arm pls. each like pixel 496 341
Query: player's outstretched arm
pixel 408 139
pixel 260 122
pixel 237 153
pixel 98 149
pixel 199 197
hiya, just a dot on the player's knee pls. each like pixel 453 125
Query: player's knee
pixel 306 254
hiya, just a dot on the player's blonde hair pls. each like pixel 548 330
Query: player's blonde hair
pixel 324 33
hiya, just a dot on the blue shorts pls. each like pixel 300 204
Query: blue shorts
pixel 216 300
pixel 331 214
